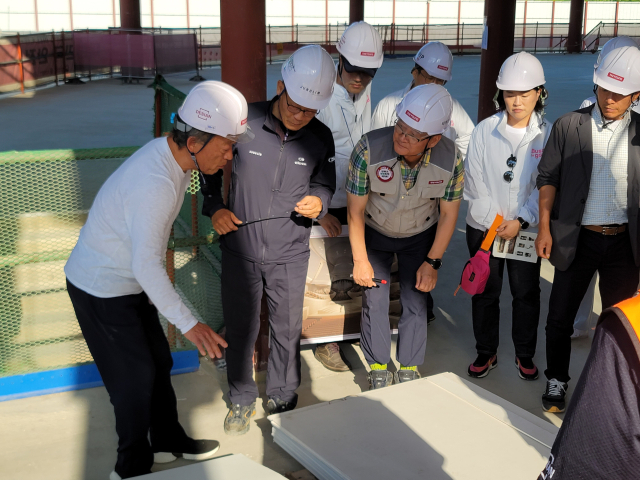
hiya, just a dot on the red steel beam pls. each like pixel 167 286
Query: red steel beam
pixel 130 14
pixel 356 11
pixel 574 38
pixel 501 24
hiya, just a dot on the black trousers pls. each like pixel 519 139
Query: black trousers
pixel 612 258
pixel 242 285
pixel 524 281
pixel 412 328
pixel 131 352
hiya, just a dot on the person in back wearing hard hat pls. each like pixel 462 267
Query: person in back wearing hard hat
pixel 581 322
pixel 397 177
pixel 117 282
pixel 433 64
pixel 589 179
pixel 280 182
pixel 598 439
pixel 348 115
pixel 500 172
pixel 616 42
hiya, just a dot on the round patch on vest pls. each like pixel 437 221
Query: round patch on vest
pixel 384 173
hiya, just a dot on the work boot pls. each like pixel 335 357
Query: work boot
pixel 195 450
pixel 553 398
pixel 330 356
pixel 407 375
pixel 277 405
pixel 238 419
pixel 380 379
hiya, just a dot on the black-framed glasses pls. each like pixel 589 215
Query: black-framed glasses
pixel 296 110
pixel 511 163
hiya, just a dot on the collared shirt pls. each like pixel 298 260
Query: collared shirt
pixel 607 200
pixel 358 182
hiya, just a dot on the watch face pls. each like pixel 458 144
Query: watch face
pixel 436 264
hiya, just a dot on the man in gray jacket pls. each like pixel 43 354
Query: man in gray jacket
pixel 278 185
pixel 589 182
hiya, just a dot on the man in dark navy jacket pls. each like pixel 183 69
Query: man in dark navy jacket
pixel 278 185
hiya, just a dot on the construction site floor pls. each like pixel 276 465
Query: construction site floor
pixel 71 436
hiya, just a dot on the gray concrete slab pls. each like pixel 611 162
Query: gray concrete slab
pixel 107 113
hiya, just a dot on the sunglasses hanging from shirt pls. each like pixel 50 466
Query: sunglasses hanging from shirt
pixel 286 215
pixel 511 163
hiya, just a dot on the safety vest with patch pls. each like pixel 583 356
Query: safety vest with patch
pixel 393 210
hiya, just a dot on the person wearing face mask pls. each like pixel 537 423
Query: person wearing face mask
pixel 279 184
pixel 501 169
pixel 397 178
pixel 589 179
pixel 348 115
pixel 118 285
pixel 433 64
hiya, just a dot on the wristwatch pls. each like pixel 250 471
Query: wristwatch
pixel 523 225
pixel 435 263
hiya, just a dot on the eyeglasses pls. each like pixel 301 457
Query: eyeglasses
pixel 511 163
pixel 413 140
pixel 295 110
pixel 429 78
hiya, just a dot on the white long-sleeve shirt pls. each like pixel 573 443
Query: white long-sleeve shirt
pixel 591 100
pixel 461 124
pixel 486 163
pixel 122 246
pixel 348 121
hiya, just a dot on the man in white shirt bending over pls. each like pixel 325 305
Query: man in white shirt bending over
pixel 117 283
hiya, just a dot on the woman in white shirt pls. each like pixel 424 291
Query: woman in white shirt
pixel 500 178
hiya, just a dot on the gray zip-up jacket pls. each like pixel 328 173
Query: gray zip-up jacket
pixel 566 164
pixel 270 175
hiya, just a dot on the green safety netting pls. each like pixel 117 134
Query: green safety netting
pixel 45 197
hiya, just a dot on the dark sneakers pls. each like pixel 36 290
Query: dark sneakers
pixel 379 379
pixel 330 356
pixel 526 368
pixel 483 365
pixel 407 375
pixel 277 405
pixel 238 419
pixel 553 398
pixel 192 450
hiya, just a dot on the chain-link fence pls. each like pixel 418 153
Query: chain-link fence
pixel 45 197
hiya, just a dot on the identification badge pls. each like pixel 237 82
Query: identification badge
pixel 384 173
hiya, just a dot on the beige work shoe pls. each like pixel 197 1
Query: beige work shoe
pixel 329 355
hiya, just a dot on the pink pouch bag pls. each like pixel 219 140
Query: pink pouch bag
pixel 476 271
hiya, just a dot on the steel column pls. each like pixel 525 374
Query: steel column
pixel 356 11
pixel 574 38
pixel 130 14
pixel 501 24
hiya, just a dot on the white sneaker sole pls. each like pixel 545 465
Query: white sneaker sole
pixel 168 457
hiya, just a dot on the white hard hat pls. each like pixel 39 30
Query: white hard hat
pixel 361 45
pixel 427 108
pixel 520 72
pixel 217 108
pixel 309 76
pixel 619 71
pixel 436 59
pixel 616 42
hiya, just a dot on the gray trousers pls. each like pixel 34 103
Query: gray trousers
pixel 412 328
pixel 242 285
